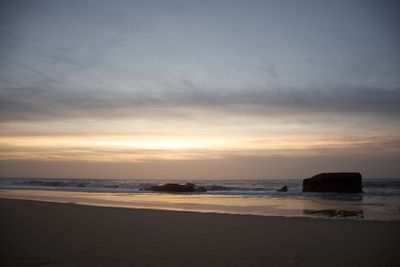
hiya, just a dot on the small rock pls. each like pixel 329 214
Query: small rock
pixel 283 189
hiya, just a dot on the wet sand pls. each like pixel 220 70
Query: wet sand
pixel 54 234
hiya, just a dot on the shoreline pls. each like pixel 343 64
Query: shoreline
pixel 277 206
pixel 203 212
pixel 199 211
pixel 65 234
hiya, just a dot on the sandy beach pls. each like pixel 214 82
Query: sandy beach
pixel 54 234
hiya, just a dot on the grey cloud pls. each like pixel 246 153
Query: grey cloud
pixel 56 58
pixel 46 101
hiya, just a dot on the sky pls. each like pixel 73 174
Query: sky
pixel 186 89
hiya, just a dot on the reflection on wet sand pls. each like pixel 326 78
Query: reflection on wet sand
pixel 340 197
pixel 339 213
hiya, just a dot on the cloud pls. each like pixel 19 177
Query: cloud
pixel 85 90
pixel 373 164
pixel 49 100
pixel 59 63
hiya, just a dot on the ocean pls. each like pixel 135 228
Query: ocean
pixel 380 200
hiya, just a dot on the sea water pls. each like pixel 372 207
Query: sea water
pixel 380 200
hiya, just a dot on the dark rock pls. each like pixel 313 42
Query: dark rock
pixel 283 189
pixel 341 182
pixel 177 188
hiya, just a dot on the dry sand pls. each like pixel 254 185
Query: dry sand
pixel 54 234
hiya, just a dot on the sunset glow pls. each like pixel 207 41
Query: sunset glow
pixel 186 86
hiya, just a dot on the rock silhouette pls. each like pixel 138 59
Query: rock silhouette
pixel 341 182
pixel 283 189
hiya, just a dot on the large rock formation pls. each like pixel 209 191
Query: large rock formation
pixel 177 188
pixel 342 182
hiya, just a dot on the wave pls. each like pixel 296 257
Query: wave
pixel 87 185
pixel 53 183
pixel 235 188
pixel 383 183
